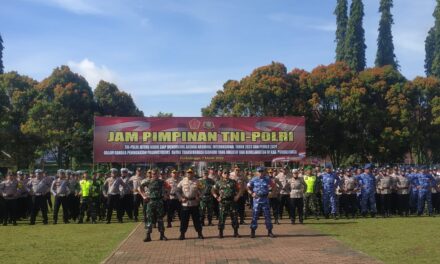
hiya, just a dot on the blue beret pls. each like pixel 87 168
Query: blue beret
pixel 367 166
pixel 261 169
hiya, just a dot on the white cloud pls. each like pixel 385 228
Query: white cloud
pixel 301 21
pixel 93 73
pixel 75 6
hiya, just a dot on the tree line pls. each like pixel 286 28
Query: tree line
pixel 353 114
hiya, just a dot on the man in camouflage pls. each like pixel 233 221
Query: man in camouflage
pixel 206 200
pixel 227 192
pixel 154 192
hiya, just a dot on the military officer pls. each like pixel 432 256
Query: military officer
pixel 311 203
pixel 329 183
pixel 237 176
pixel 207 200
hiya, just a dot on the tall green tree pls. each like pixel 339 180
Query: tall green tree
pixel 62 116
pixel 355 38
pixel 429 51
pixel 1 55
pixel 341 12
pixel 385 47
pixel 113 102
pixel 435 69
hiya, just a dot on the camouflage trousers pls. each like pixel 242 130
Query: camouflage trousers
pixel 206 208
pixel 311 204
pixel 154 212
pixel 226 208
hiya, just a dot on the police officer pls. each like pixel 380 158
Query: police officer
pixel 311 201
pixel 296 186
pixel 72 199
pixel 134 183
pixel 227 192
pixel 329 183
pixel 283 178
pixel 154 192
pixel 402 186
pixel 126 195
pixel 85 185
pixel 274 196
pixel 23 200
pixel 350 185
pixel 207 200
pixel 188 192
pixel 60 191
pixel 425 183
pixel 367 184
pixel 259 188
pixel 174 205
pixel 111 191
pixel 385 185
pixel 38 185
pixel 9 192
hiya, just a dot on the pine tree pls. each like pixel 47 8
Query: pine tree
pixel 385 47
pixel 355 40
pixel 435 68
pixel 429 49
pixel 341 23
pixel 1 55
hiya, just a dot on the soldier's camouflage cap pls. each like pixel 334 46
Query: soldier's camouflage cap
pixel 261 169
pixel 38 171
pixel 113 170
pixel 60 171
pixel 124 170
pixel 68 172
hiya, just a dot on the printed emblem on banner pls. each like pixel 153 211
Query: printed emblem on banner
pixel 194 124
pixel 208 125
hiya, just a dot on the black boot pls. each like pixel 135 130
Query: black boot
pixel 276 221
pixel 270 234
pixel 163 237
pixel 169 225
pixel 200 235
pixel 236 233
pixel 210 223
pixel 148 237
pixel 182 236
pixel 220 233
pixel 252 233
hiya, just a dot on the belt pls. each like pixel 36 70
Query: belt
pixel 61 195
pixel 38 194
pixel 262 196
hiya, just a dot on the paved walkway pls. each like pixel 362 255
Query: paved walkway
pixel 293 244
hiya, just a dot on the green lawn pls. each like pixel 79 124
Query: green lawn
pixel 62 243
pixel 392 240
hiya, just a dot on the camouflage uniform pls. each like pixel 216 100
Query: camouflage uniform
pixel 227 189
pixel 207 200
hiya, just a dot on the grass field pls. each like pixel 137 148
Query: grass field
pixel 392 240
pixel 62 243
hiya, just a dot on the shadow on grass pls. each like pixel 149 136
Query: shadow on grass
pixel 332 223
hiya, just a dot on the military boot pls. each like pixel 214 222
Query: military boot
pixel 270 234
pixel 182 236
pixel 236 233
pixel 163 237
pixel 148 237
pixel 200 235
pixel 252 233
pixel 220 233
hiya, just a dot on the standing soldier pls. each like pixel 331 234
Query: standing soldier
pixel 154 192
pixel 126 195
pixel 311 202
pixel 38 186
pixel 207 200
pixel 349 188
pixel 102 205
pixel 367 184
pixel 329 183
pixel 23 196
pixel 385 185
pixel 111 191
pixel 60 191
pixel 73 195
pixel 402 186
pixel 95 197
pixel 173 202
pixel 134 183
pixel 296 185
pixel 188 191
pixel 215 177
pixel 436 191
pixel 227 192
pixel 414 192
pixel 274 196
pixel 9 192
pixel 241 203
pixel 425 183
pixel 259 187
pixel 85 185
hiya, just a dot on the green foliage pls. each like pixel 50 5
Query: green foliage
pixel 435 68
pixel 341 23
pixel 385 47
pixel 429 51
pixel 162 114
pixel 355 38
pixel 1 55
pixel 112 102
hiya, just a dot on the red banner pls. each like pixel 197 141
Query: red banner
pixel 210 139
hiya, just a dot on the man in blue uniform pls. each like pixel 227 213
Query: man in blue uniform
pixel 329 183
pixel 425 183
pixel 259 188
pixel 367 183
pixel 414 192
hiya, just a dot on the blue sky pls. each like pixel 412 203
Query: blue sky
pixel 173 55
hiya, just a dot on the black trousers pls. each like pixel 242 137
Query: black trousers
pixel 127 205
pixel 284 203
pixel 39 203
pixel 10 207
pixel 23 207
pixel 435 197
pixel 61 201
pixel 241 206
pixel 275 205
pixel 137 201
pixel 296 205
pixel 386 204
pixel 113 203
pixel 173 206
pixel 194 212
pixel 49 200
pixel 403 204
pixel 73 205
pixel 349 204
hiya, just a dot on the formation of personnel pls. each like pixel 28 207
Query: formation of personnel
pixel 219 193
